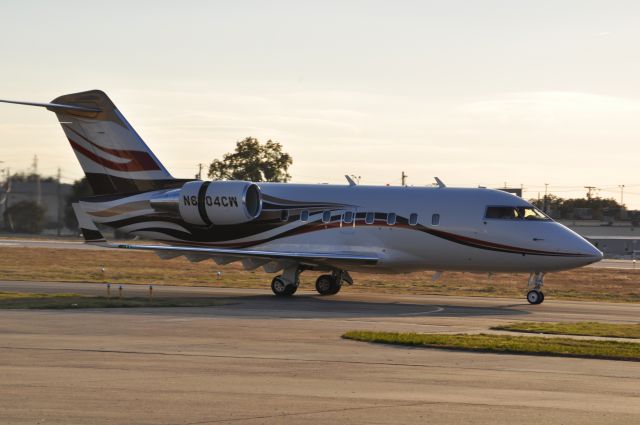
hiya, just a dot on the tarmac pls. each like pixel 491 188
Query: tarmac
pixel 259 359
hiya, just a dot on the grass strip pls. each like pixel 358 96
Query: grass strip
pixel 126 266
pixel 21 300
pixel 531 345
pixel 577 328
pixel 5 296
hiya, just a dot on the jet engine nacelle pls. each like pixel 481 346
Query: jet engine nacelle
pixel 217 202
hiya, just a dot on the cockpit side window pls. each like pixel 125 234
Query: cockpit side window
pixel 515 213
pixel 503 213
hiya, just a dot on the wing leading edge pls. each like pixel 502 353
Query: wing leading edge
pixel 320 258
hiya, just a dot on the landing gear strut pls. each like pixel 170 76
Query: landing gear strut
pixel 286 284
pixel 535 295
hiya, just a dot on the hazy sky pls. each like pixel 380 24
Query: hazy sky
pixel 475 92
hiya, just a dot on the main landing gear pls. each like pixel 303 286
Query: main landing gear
pixel 330 284
pixel 287 283
pixel 327 284
pixel 535 295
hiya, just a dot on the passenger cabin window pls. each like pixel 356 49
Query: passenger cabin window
pixel 284 215
pixel 348 217
pixel 391 219
pixel 304 215
pixel 435 219
pixel 413 219
pixel 326 216
pixel 369 218
pixel 516 213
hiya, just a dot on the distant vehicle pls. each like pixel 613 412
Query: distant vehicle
pixel 289 228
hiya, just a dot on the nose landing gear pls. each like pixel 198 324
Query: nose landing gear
pixel 535 295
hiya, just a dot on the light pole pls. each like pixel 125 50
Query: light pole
pixel 546 202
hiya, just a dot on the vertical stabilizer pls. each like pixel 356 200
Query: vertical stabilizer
pixel 113 156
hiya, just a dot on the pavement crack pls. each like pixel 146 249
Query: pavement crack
pixel 315 412
pixel 293 359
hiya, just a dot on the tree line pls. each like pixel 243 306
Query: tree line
pixel 265 162
pixel 575 208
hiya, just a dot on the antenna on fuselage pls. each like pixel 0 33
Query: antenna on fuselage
pixel 440 182
pixel 350 180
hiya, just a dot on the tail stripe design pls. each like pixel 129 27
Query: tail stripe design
pixel 137 160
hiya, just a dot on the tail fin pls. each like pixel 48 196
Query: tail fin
pixel 114 158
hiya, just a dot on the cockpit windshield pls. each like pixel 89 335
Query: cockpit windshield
pixel 516 213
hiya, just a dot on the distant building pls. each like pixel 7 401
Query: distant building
pixel 44 192
pixel 617 246
pixel 616 240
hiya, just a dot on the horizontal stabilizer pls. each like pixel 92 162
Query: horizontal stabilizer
pixel 55 107
pixel 89 230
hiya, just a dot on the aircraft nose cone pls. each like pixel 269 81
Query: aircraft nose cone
pixel 593 253
pixel 576 244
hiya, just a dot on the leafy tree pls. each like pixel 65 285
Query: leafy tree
pixel 566 208
pixel 253 161
pixel 551 204
pixel 79 190
pixel 31 178
pixel 600 207
pixel 25 217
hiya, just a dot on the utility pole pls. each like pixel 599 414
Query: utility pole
pixel 404 179
pixel 199 175
pixel 37 176
pixel 5 186
pixel 546 200
pixel 590 190
pixel 621 186
pixel 7 224
pixel 58 193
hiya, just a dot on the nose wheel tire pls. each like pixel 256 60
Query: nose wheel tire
pixel 282 288
pixel 327 285
pixel 535 297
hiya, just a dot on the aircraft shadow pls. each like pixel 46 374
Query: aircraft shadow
pixel 317 307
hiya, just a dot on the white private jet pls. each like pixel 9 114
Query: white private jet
pixel 289 228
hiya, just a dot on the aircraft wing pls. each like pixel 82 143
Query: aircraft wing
pixel 312 258
pixel 251 258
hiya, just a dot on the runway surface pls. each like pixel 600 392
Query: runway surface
pixel 258 359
